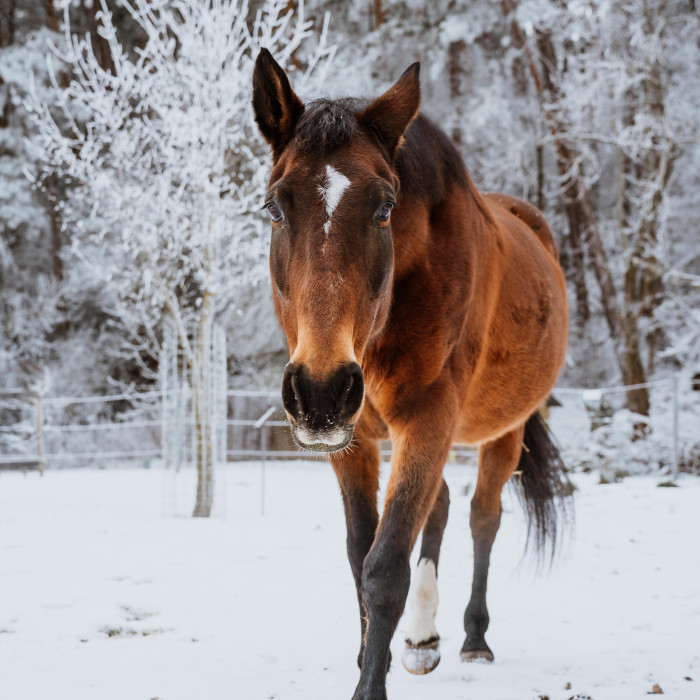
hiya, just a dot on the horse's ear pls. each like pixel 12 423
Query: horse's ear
pixel 388 116
pixel 277 109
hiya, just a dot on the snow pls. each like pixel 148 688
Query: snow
pixel 264 607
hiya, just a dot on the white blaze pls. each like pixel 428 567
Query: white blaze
pixel 422 603
pixel 332 190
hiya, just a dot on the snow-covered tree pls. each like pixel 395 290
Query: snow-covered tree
pixel 603 73
pixel 166 168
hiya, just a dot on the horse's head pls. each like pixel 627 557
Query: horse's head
pixel 331 192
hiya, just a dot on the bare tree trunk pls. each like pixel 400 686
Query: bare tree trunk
pixel 455 58
pixel 625 169
pixel 379 15
pixel 657 169
pixel 197 356
pixel 292 5
pixel 639 203
pixel 56 243
pixel 5 104
pixel 539 159
pixel 623 209
pixel 202 404
pixel 51 194
pixel 637 399
pixel 100 43
pixel 651 292
pixel 51 15
pixel 578 215
pixel 7 22
pixel 55 228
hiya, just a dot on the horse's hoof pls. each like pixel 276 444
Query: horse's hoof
pixel 421 660
pixel 480 655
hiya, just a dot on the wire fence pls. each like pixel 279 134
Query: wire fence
pixel 601 433
pixel 37 432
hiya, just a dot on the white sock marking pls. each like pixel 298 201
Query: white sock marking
pixel 332 190
pixel 422 603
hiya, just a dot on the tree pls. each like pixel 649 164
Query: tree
pixel 165 166
pixel 560 108
pixel 648 150
pixel 7 22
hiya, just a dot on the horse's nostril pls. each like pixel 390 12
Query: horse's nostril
pixel 349 381
pixel 322 405
pixel 291 396
pixel 295 387
pixel 354 391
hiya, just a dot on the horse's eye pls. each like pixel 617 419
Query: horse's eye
pixel 275 212
pixel 384 211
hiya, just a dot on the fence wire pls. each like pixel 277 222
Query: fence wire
pixel 82 430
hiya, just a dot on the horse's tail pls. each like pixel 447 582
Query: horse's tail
pixel 543 486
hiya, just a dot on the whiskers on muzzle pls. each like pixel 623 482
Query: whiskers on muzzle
pixel 334 440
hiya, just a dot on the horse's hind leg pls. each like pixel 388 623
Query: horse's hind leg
pixel 497 462
pixel 422 653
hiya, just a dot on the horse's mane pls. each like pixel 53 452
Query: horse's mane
pixel 427 163
pixel 328 124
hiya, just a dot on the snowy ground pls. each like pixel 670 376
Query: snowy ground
pixel 101 597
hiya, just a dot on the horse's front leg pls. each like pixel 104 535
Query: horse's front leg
pixel 358 475
pixel 420 450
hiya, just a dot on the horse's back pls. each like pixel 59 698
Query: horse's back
pixel 530 215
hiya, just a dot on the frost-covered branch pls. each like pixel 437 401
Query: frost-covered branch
pixel 165 161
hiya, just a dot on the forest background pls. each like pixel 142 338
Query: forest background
pixel 588 109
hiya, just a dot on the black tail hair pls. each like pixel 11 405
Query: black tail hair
pixel 543 486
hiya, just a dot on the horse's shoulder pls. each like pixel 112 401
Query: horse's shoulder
pixel 530 215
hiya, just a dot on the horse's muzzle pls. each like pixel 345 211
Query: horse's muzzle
pixel 324 441
pixel 321 412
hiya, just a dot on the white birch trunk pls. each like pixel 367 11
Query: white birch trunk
pixel 202 410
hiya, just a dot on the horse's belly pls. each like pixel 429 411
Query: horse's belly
pixel 478 425
pixel 511 381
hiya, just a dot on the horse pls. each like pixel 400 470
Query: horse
pixel 418 309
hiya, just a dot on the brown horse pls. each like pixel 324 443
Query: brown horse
pixel 418 309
